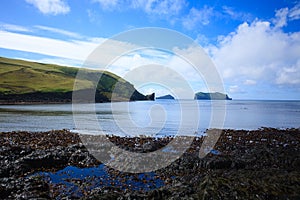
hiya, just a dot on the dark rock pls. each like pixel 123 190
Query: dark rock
pixel 150 97
pixel 211 96
pixel 166 97
pixel 258 164
pixel 219 163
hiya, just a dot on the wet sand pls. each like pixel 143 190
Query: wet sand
pixel 258 164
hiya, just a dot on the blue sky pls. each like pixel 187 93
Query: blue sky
pixel 255 45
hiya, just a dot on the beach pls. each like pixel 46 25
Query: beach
pixel 256 164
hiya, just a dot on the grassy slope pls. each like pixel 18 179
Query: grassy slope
pixel 24 77
pixel 18 77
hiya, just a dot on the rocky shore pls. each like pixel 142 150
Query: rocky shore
pixel 258 164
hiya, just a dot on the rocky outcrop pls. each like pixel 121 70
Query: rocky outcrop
pixel 166 97
pixel 258 164
pixel 211 96
pixel 150 97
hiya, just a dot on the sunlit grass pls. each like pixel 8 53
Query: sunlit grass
pixel 21 77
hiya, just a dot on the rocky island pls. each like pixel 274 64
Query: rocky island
pixel 166 97
pixel 211 96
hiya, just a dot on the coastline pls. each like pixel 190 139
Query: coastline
pixel 263 164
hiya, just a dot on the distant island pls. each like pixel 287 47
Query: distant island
pixel 32 82
pixel 211 96
pixel 166 97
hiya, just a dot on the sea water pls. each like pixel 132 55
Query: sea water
pixel 155 118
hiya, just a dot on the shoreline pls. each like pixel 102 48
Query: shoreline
pixel 263 163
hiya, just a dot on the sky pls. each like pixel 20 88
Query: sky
pixel 254 45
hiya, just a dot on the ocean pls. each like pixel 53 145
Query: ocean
pixel 151 118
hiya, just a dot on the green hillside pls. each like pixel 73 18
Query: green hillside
pixel 24 81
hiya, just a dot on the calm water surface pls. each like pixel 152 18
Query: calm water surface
pixel 160 117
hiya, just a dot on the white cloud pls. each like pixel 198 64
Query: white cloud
pixel 59 31
pixel 235 89
pixel 165 8
pixel 94 17
pixel 202 40
pixel 178 70
pixel 160 7
pixel 108 4
pixel 139 58
pixel 147 76
pixel 76 49
pixel 289 75
pixel 250 82
pixel 294 13
pixel 281 17
pixel 197 17
pixel 258 51
pixel 242 16
pixel 129 62
pixel 13 27
pixel 53 7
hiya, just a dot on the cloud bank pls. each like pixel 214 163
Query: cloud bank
pixel 259 52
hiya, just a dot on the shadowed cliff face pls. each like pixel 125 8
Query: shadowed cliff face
pixel 31 82
pixel 66 97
